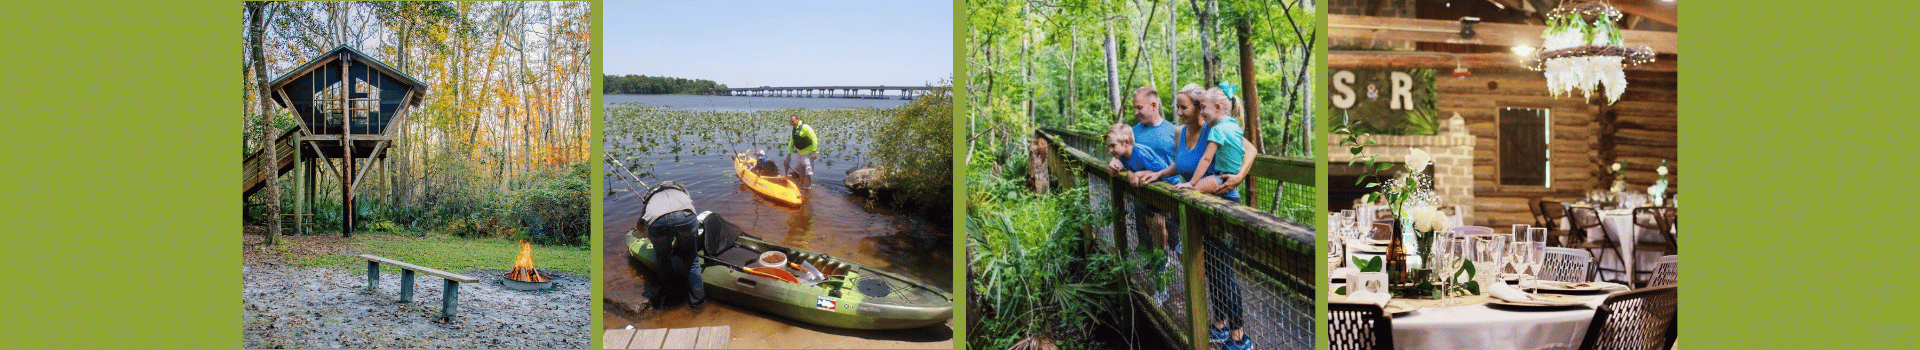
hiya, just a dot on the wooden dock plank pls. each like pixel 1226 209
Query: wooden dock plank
pixel 680 338
pixel 616 338
pixel 715 337
pixel 648 339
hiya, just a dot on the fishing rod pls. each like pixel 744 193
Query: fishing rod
pixel 615 163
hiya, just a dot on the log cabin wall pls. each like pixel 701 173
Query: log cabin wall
pixel 1640 128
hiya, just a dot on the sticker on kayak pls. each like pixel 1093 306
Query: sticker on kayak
pixel 827 303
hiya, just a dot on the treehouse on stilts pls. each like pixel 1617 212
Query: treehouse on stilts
pixel 350 107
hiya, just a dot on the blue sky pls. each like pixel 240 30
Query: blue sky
pixel 782 43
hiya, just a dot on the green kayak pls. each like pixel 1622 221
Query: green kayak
pixel 851 296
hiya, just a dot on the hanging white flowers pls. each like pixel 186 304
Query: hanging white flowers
pixel 1581 51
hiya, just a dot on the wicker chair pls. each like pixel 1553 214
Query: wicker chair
pixel 1358 326
pixel 1640 319
pixel 1667 272
pixel 1567 265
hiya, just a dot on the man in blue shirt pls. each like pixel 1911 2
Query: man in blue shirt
pixel 1151 129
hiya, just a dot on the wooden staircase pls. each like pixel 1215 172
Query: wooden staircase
pixel 251 179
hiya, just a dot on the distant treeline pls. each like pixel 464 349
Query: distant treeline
pixel 641 84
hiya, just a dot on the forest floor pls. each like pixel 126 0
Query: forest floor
pixel 310 292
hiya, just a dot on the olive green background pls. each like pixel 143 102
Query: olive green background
pixel 121 225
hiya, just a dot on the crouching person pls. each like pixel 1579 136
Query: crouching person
pixel 674 227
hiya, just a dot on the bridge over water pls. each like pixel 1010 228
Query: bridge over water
pixel 870 92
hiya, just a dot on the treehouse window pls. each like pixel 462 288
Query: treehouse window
pixel 1526 137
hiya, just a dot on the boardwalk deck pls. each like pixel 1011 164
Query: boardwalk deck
pixel 1248 265
pixel 716 337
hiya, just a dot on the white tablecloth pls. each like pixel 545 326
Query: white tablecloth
pixel 1482 327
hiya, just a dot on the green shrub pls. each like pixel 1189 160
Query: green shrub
pixel 914 148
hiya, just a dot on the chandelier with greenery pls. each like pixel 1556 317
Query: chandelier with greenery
pixel 1582 50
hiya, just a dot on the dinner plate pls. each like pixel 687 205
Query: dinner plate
pixel 1548 301
pixel 1396 307
pixel 1367 248
pixel 1576 287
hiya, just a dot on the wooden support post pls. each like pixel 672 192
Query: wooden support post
pixel 346 197
pixel 1196 275
pixel 450 299
pixel 406 286
pixel 312 184
pixel 299 182
pixel 373 276
pixel 346 143
pixel 1116 183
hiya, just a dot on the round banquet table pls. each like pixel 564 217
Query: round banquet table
pixel 1479 326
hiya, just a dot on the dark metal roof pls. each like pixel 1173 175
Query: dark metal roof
pixel 419 89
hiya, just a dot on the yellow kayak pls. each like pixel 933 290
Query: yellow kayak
pixel 778 188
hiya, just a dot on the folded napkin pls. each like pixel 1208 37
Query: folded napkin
pixel 1369 297
pixel 1606 286
pixel 1356 293
pixel 1341 273
pixel 1508 293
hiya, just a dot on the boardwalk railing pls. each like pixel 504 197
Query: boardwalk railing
pixel 1257 263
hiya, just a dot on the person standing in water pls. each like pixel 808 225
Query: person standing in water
pixel 804 144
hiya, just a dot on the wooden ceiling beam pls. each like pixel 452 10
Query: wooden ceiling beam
pixel 1658 10
pixel 1445 62
pixel 1446 31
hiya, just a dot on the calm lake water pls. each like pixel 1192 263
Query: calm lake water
pixel 832 220
pixel 743 103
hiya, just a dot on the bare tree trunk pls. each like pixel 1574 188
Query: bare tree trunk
pixel 1026 56
pixel 1113 74
pixel 1073 94
pixel 270 163
pixel 1250 99
pixel 1208 62
pixel 1173 60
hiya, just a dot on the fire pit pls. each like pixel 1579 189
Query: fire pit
pixel 524 276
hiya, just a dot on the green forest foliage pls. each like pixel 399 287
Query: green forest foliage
pixel 1039 64
pixel 1046 64
pixel 500 145
pixel 651 85
pixel 918 150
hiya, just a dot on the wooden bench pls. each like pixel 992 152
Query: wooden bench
pixel 449 296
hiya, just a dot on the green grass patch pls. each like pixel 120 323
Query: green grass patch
pixel 322 260
pixel 454 254
pixel 464 254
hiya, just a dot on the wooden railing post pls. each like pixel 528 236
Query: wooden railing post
pixel 1116 193
pixel 1196 275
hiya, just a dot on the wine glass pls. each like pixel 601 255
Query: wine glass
pixel 1442 266
pixel 1347 217
pixel 1486 258
pixel 1518 228
pixel 1451 251
pixel 1537 255
pixel 1517 254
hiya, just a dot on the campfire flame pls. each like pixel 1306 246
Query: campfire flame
pixel 523 267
